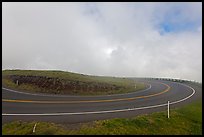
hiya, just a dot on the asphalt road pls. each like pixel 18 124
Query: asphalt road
pixel 75 109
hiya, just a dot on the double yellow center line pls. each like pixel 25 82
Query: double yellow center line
pixel 87 101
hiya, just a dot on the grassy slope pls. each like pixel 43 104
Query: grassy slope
pixel 127 83
pixel 186 120
pixel 66 75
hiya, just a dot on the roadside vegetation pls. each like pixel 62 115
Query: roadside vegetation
pixel 60 82
pixel 186 120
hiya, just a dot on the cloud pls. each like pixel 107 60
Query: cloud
pixel 116 39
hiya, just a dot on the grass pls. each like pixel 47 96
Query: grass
pixel 126 85
pixel 67 75
pixel 186 120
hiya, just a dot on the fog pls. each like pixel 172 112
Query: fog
pixel 112 39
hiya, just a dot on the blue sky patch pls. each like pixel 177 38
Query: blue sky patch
pixel 177 20
pixel 167 27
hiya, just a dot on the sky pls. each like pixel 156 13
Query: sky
pixel 106 39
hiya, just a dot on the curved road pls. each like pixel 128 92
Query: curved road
pixel 74 109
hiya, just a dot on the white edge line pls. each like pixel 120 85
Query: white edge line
pixel 106 111
pixel 75 96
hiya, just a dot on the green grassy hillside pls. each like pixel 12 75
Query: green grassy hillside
pixel 60 82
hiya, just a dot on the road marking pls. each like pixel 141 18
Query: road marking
pixel 105 111
pixel 87 101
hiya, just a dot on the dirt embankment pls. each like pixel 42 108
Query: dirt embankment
pixel 62 86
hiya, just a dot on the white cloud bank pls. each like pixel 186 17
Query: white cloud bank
pixel 115 39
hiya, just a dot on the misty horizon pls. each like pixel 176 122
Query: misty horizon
pixel 104 39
